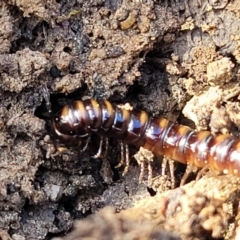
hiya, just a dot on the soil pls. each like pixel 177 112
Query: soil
pixel 177 59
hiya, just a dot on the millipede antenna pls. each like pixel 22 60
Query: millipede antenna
pixel 46 96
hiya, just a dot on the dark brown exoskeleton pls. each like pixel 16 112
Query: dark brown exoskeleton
pixel 79 119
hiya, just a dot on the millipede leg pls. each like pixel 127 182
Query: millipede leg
pixel 164 166
pixel 86 144
pixel 189 169
pixel 106 146
pixel 99 152
pixel 186 174
pixel 126 160
pixel 121 163
pixel 202 172
pixel 171 169
pixel 46 97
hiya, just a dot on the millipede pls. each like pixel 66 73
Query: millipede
pixel 76 121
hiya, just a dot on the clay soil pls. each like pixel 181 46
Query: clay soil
pixel 177 59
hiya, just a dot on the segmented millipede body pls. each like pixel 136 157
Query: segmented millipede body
pixel 79 119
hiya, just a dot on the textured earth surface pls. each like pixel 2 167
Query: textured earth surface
pixel 177 59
